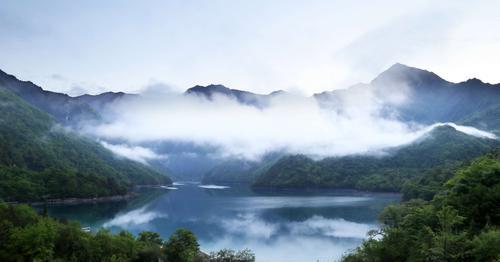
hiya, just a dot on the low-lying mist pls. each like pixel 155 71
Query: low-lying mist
pixel 356 122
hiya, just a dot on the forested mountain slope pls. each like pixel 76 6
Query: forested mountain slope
pixel 443 146
pixel 460 223
pixel 39 158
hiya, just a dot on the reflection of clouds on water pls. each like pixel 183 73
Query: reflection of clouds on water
pixel 134 217
pixel 318 225
pixel 292 201
pixel 169 187
pixel 314 239
pixel 250 226
pixel 213 187
pixel 290 249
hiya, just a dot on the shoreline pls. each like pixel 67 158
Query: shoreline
pixel 87 200
pixel 76 201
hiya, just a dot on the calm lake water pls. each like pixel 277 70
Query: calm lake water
pixel 277 226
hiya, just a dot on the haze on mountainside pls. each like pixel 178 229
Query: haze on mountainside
pixel 363 119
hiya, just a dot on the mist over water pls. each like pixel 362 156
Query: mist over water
pixel 276 225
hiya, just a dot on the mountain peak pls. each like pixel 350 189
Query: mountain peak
pixel 209 90
pixel 400 73
pixel 473 81
pixel 277 92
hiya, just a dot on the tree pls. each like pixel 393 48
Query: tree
pixel 182 246
pixel 486 246
pixel 150 237
pixel 447 243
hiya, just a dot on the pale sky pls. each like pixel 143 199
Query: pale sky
pixel 260 46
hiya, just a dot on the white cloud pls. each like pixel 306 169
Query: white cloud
pixel 469 130
pixel 355 123
pixel 136 153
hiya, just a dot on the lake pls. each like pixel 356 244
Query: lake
pixel 312 225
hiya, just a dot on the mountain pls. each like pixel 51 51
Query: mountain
pixel 40 158
pixel 98 102
pixel 243 97
pixel 427 97
pixel 65 109
pixel 444 146
pixel 488 119
pixel 432 99
pixel 240 171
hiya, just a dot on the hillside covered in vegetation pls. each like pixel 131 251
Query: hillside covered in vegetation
pixel 444 146
pixel 460 222
pixel 41 159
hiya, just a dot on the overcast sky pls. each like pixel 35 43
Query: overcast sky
pixel 306 46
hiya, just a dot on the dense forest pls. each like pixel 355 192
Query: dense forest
pixel 443 147
pixel 26 235
pixel 450 216
pixel 41 159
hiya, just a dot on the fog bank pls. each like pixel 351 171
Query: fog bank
pixel 355 122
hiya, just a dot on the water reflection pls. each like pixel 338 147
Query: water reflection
pixel 277 226
pixel 135 217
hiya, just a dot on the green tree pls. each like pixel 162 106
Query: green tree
pixel 182 246
pixel 486 246
pixel 447 244
pixel 34 242
pixel 150 237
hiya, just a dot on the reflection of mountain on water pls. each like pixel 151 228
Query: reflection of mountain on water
pixel 95 214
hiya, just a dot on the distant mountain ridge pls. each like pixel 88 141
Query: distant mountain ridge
pixel 431 99
pixel 244 97
pixel 66 109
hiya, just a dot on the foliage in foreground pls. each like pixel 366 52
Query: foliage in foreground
pixel 460 223
pixel 28 236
